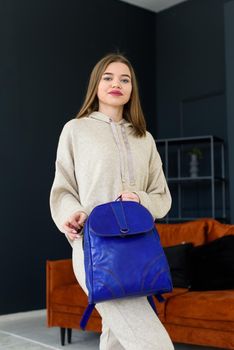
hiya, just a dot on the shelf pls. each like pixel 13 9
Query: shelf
pixel 194 179
pixel 200 196
pixel 193 139
pixel 180 219
pixel 177 219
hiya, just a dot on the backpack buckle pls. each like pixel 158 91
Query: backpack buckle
pixel 124 232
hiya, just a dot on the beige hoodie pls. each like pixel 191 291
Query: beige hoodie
pixel 96 159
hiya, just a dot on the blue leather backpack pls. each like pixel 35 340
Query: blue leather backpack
pixel 123 255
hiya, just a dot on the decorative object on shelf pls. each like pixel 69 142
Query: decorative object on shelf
pixel 195 155
pixel 195 197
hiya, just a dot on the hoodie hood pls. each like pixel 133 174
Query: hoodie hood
pixel 105 118
pixel 122 143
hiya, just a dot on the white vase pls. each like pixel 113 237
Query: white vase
pixel 193 166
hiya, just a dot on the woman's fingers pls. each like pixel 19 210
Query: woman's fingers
pixel 129 196
pixel 73 236
pixel 71 231
pixel 77 220
pixel 82 219
pixel 69 227
pixel 74 225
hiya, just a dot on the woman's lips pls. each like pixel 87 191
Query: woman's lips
pixel 115 93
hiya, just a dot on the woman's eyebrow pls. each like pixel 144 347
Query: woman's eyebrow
pixel 125 75
pixel 122 75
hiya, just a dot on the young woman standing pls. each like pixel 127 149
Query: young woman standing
pixel 103 153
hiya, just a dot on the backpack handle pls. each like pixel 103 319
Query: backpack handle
pixel 119 214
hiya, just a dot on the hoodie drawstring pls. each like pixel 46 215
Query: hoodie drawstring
pixel 118 144
pixel 129 156
pixel 121 153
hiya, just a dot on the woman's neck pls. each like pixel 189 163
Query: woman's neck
pixel 115 113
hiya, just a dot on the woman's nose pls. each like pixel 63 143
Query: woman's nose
pixel 116 83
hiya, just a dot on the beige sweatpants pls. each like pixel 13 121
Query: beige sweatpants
pixel 127 324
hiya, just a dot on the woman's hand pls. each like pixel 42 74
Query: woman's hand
pixel 129 196
pixel 74 224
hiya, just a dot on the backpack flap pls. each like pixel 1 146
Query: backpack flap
pixel 121 218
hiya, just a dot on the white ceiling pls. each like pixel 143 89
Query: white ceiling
pixel 154 5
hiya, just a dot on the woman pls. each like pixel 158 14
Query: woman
pixel 103 153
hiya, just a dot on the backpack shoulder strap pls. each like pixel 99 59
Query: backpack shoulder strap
pixel 86 316
pixel 152 303
pixel 160 298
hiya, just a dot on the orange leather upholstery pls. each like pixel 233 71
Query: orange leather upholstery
pixel 66 301
pixel 216 230
pixel 194 317
pixel 172 234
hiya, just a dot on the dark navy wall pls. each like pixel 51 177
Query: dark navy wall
pixel 190 75
pixel 191 70
pixel 46 53
pixel 229 40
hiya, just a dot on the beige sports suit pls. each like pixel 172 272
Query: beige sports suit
pixel 98 158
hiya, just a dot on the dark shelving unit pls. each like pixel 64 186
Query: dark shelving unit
pixel 202 195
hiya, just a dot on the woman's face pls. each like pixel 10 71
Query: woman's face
pixel 115 86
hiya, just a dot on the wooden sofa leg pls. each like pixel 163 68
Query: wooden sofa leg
pixel 69 335
pixel 62 335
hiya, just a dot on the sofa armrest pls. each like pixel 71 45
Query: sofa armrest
pixel 59 273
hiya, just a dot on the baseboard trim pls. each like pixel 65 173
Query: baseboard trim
pixel 20 315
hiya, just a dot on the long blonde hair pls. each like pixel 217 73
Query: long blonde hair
pixel 132 110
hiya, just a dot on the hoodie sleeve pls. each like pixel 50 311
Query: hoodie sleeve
pixel 156 198
pixel 64 195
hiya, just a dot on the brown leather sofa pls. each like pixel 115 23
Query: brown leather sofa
pixel 193 317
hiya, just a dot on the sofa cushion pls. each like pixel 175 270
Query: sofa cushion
pixel 195 323
pixel 188 232
pixel 212 265
pixel 72 320
pixel 70 299
pixel 162 306
pixel 215 230
pixel 70 294
pixel 178 257
pixel 209 305
pixel 209 337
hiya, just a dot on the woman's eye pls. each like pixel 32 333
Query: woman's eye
pixel 107 78
pixel 125 81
